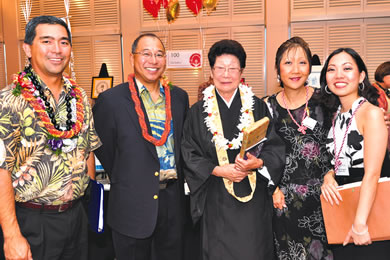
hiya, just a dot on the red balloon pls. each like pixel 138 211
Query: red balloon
pixel 194 5
pixel 164 3
pixel 152 6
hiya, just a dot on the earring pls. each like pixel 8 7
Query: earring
pixel 361 87
pixel 327 90
pixel 278 78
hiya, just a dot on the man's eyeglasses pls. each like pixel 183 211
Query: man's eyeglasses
pixel 149 54
pixel 231 71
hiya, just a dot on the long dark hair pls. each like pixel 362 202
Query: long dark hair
pixel 369 92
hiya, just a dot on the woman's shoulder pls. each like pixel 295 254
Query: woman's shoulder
pixel 370 110
pixel 371 114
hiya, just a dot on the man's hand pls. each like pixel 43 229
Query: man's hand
pixel 17 248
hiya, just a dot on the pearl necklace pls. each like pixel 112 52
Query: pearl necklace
pixel 211 108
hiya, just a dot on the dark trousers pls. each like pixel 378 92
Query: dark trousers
pixel 166 242
pixel 53 235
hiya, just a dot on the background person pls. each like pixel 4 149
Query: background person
pixel 356 142
pixel 382 78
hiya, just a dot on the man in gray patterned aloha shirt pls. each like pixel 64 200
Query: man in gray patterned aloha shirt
pixel 47 136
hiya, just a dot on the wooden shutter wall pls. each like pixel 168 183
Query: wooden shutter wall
pixel 83 65
pixel 187 79
pixel 369 37
pixel 252 39
pixel 345 34
pixel 314 34
pixel 3 76
pixel 86 16
pixel 248 7
pixel 306 10
pixel 89 54
pixel 377 39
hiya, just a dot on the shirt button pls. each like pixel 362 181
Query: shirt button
pixel 156 174
pixel 155 197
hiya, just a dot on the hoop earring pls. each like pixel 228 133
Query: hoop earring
pixel 361 87
pixel 327 90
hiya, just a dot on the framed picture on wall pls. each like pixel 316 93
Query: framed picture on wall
pixel 100 84
pixel 314 77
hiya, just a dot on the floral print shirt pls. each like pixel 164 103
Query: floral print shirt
pixel 38 173
pixel 156 117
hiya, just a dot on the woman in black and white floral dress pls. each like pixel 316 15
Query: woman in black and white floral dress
pixel 303 125
pixel 356 142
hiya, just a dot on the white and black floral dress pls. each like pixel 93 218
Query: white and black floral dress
pixel 299 230
pixel 352 155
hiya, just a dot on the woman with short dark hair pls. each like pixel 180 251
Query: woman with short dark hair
pixel 229 194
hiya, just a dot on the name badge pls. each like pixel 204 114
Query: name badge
pixel 343 169
pixel 309 122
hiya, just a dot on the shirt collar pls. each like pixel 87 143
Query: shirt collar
pixel 66 83
pixel 142 88
pixel 228 104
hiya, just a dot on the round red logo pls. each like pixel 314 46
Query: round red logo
pixel 195 60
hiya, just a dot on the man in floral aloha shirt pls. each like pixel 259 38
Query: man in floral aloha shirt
pixel 47 136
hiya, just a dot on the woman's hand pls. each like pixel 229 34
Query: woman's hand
pixel 359 235
pixel 278 199
pixel 329 189
pixel 249 164
pixel 230 172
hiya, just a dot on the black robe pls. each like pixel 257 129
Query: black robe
pixel 230 229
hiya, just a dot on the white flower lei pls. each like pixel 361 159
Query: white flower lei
pixel 245 118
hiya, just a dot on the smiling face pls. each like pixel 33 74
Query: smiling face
pixel 226 74
pixel 343 76
pixel 148 70
pixel 50 50
pixel 294 68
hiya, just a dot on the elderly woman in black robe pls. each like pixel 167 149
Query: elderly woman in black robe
pixel 230 195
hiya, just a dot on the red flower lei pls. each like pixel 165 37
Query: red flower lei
pixel 27 89
pixel 141 116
